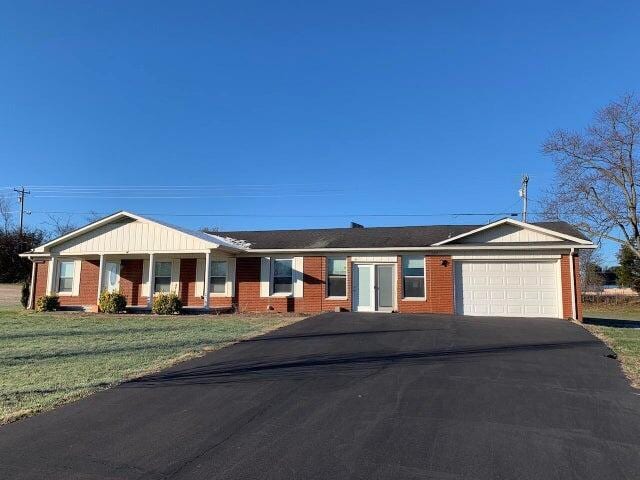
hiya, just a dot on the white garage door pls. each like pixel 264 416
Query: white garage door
pixel 508 288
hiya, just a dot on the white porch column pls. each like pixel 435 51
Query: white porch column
pixel 32 294
pixel 152 274
pixel 100 275
pixel 207 281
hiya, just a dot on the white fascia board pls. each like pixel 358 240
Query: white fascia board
pixel 265 251
pixel 517 223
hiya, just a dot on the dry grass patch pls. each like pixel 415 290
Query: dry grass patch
pixel 619 327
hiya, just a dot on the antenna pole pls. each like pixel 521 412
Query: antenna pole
pixel 523 194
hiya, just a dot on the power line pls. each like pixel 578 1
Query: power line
pixel 168 187
pixel 259 215
pixel 180 197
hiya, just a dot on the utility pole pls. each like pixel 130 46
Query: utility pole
pixel 21 193
pixel 523 195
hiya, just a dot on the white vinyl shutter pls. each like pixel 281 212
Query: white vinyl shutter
pixel 200 277
pixel 231 277
pixel 77 267
pixel 175 276
pixel 265 276
pixel 298 277
pixel 52 268
pixel 145 278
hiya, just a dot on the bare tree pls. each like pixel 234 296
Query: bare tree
pixel 93 216
pixel 597 174
pixel 6 213
pixel 60 225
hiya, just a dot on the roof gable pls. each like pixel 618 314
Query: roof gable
pixel 130 233
pixel 512 231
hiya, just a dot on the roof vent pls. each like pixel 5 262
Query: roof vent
pixel 356 225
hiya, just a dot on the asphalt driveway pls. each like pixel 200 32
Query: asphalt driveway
pixel 365 396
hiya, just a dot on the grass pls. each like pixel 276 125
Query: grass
pixel 47 359
pixel 619 327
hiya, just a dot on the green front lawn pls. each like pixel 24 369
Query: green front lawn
pixel 47 359
pixel 619 327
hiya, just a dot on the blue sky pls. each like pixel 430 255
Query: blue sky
pixel 338 107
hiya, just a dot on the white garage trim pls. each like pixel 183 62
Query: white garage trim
pixel 488 257
pixel 512 288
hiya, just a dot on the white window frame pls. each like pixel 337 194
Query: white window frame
pixel 59 277
pixel 226 278
pixel 346 279
pixel 424 277
pixel 155 275
pixel 271 278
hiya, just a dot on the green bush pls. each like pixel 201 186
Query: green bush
pixel 24 293
pixel 166 304
pixel 48 303
pixel 112 302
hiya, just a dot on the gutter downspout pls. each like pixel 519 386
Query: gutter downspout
pixel 574 306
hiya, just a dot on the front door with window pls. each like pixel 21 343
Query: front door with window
pixel 112 273
pixel 373 288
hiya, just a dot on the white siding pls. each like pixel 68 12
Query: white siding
pixel 130 236
pixel 508 233
pixel 374 259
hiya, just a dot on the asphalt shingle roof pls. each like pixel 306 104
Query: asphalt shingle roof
pixel 371 237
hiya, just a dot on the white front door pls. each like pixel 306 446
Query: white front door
pixel 384 288
pixel 373 287
pixel 508 288
pixel 112 276
pixel 363 288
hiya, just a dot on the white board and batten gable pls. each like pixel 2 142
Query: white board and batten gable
pixel 128 233
pixel 509 231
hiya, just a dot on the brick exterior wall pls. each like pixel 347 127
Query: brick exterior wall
pixel 248 290
pixel 330 304
pixel 88 293
pixel 187 290
pixel 131 282
pixel 40 287
pixel 565 273
pixel 188 283
pixel 439 287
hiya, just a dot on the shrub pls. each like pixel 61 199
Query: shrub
pixel 47 303
pixel 166 304
pixel 112 302
pixel 24 293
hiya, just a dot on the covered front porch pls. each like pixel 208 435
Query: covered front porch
pixel 78 281
pixel 140 258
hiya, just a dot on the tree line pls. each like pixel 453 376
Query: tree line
pixel 13 268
